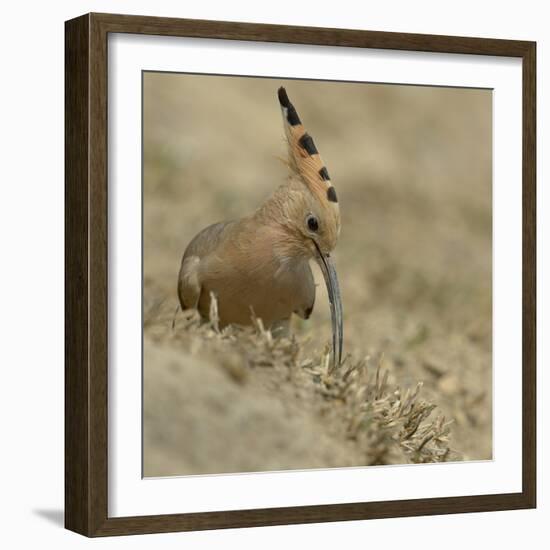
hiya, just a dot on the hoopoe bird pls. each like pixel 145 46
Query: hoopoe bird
pixel 259 264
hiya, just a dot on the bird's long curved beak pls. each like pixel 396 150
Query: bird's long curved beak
pixel 336 314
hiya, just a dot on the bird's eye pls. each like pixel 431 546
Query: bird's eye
pixel 312 223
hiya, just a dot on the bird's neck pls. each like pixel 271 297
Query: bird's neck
pixel 274 216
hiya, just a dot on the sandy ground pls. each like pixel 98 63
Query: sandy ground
pixel 412 168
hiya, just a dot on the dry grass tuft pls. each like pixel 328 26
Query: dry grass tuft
pixel 392 426
pixel 358 402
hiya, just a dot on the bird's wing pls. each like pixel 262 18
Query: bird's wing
pixel 204 243
pixel 189 286
pixel 207 240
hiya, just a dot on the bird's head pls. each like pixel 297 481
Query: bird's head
pixel 315 221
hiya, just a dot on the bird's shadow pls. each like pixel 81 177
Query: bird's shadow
pixel 55 516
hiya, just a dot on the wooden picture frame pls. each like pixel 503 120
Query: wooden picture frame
pixel 86 282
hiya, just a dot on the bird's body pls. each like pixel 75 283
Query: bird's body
pixel 259 265
pixel 268 284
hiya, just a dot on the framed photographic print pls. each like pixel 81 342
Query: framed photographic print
pixel 300 274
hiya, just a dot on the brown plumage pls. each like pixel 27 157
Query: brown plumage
pixel 259 264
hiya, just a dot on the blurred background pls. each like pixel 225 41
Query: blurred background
pixel 412 169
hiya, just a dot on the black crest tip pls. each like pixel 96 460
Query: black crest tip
pixel 291 115
pixel 331 194
pixel 283 98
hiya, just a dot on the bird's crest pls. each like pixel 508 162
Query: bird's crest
pixel 304 159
